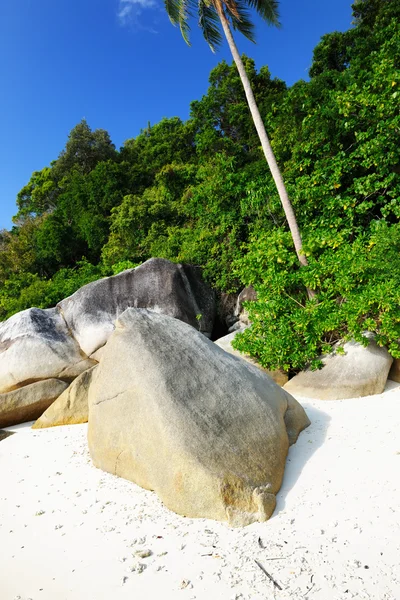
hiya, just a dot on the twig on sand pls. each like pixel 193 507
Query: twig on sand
pixel 310 588
pixel 276 584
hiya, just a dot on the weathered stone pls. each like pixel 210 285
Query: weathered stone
pixel 29 402
pixel 236 327
pixel 173 412
pixel 226 344
pixel 35 344
pixel 158 284
pixel 361 371
pixel 394 373
pixel 73 371
pixel 248 294
pixel 72 406
pixel 225 318
pixel 98 354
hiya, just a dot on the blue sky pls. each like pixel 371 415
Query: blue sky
pixel 120 64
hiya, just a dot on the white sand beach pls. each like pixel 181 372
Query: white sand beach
pixel 69 531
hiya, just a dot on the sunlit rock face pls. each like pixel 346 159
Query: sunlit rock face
pixel 173 412
pixel 36 344
pixel 162 286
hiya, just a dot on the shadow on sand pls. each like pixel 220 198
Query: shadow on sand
pixel 4 434
pixel 308 443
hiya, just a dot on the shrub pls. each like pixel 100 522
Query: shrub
pixel 358 289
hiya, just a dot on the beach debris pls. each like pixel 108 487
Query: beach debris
pixel 143 553
pixel 138 568
pixel 311 587
pixel 276 584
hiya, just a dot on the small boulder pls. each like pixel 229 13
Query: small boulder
pixel 360 371
pixel 36 344
pixel 29 402
pixel 280 377
pixel 173 412
pixel 394 373
pixel 71 407
pixel 225 317
pixel 248 294
pixel 158 284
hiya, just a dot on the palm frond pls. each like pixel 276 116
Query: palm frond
pixel 209 23
pixel 184 16
pixel 173 8
pixel 241 22
pixel 267 9
pixel 231 7
pixel 179 12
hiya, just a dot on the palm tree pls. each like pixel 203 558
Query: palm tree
pixel 211 13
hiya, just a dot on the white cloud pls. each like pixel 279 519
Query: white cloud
pixel 129 10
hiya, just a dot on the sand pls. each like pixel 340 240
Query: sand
pixel 69 531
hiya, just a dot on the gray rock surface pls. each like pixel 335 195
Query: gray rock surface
pixel 394 373
pixel 173 412
pixel 73 371
pixel 71 407
pixel 248 294
pixel 35 344
pixel 29 402
pixel 361 371
pixel 226 344
pixel 158 284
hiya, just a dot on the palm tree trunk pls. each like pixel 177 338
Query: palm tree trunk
pixel 265 143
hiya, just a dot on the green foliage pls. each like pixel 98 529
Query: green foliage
pixel 222 119
pixel 123 265
pixel 170 141
pixel 140 222
pixel 21 291
pixel 358 290
pixel 332 53
pixel 336 136
pixel 84 150
pixel 39 195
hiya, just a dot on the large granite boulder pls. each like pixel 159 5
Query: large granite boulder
pixel 360 371
pixel 173 412
pixel 36 344
pixel 158 284
pixel 280 377
pixel 29 402
pixel 71 407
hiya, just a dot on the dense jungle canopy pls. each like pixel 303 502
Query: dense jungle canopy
pixel 200 192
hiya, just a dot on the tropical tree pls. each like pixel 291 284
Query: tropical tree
pixel 235 14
